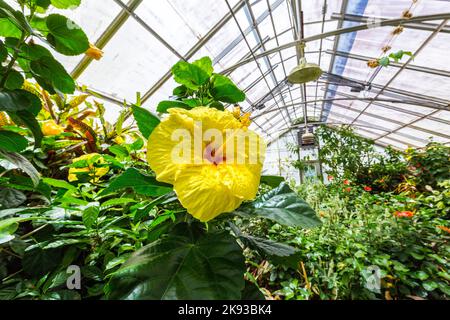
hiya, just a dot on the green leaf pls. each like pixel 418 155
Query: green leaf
pixel 217 105
pixel 116 202
pixel 15 17
pixel 283 206
pixel 9 29
pixel 119 151
pixel 90 216
pixel 272 181
pixel 185 264
pixel 61 184
pixel 251 292
pixel 23 164
pixel 66 36
pixel 66 4
pixel 181 91
pixel 52 76
pixel 190 75
pixel 163 106
pixel 223 89
pixel 146 121
pixel 43 4
pixel 140 183
pixel 29 119
pixel 384 62
pixel 3 51
pixel 205 64
pixel 278 252
pixel 38 262
pixel 11 198
pixel 7 223
pixel 17 100
pixel 14 80
pixel 12 142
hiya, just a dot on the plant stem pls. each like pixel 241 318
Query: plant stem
pixel 13 60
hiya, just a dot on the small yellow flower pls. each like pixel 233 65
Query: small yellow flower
pixel 216 184
pixel 92 169
pixel 237 111
pixel 50 128
pixel 373 63
pixel 94 52
pixel 243 118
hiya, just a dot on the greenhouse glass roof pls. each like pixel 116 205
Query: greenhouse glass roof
pixel 258 42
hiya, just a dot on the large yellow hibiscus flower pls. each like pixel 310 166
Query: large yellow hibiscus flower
pixel 210 157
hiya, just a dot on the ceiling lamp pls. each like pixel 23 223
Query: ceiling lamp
pixel 305 72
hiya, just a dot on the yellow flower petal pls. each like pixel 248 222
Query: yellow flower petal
pixel 207 191
pixel 223 179
pixel 94 52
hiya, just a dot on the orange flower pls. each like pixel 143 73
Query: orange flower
pixel 404 214
pixel 330 178
pixel 444 229
pixel 367 188
pixel 348 189
pixel 346 182
pixel 94 52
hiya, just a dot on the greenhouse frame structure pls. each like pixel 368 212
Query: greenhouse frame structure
pixel 258 42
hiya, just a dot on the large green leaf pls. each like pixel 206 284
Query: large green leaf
pixel 66 36
pixel 65 4
pixel 146 121
pixel 13 142
pixel 51 75
pixel 37 262
pixel 9 29
pixel 187 264
pixel 205 64
pixel 23 164
pixel 272 181
pixel 140 183
pixel 283 206
pixel 14 80
pixel 62 184
pixel 90 216
pixel 265 246
pixel 193 76
pixel 163 106
pixel 223 89
pixel 16 17
pixel 29 119
pixel 11 198
pixel 16 100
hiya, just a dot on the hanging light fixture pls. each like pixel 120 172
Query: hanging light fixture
pixel 305 72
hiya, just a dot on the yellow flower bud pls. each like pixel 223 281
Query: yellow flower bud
pixel 94 52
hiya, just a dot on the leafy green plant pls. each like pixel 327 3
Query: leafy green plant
pixel 349 156
pixel 200 86
pixel 360 231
